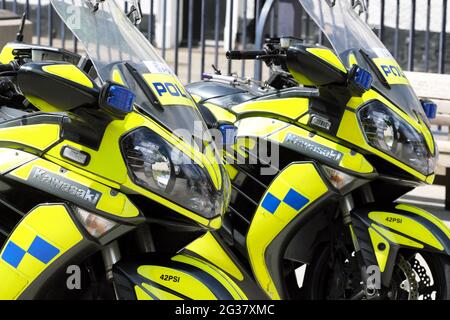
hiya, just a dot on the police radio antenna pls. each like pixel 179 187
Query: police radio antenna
pixel 19 36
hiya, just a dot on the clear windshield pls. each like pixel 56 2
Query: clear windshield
pixel 121 53
pixel 355 42
pixel 107 35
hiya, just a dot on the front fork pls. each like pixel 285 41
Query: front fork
pixel 347 205
pixel 111 253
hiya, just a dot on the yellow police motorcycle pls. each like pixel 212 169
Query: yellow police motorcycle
pixel 324 149
pixel 100 190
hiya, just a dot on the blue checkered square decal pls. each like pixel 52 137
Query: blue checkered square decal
pixel 13 254
pixel 293 199
pixel 42 250
pixel 271 203
pixel 39 249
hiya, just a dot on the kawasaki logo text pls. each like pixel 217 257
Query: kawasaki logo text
pixel 64 187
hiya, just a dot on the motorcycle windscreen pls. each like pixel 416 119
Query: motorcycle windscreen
pixel 121 53
pixel 355 43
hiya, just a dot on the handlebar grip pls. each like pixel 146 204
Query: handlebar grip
pixel 244 55
pixel 7 67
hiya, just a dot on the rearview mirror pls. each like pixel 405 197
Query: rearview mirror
pixel 56 86
pixel 315 65
pixel 135 12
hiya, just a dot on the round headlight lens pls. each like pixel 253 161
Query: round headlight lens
pixel 161 172
pixel 388 132
pixel 159 167
pixel 151 161
pixel 389 138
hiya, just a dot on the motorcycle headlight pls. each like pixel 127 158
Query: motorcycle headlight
pixel 158 166
pixel 389 133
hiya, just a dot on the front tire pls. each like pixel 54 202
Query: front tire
pixel 416 276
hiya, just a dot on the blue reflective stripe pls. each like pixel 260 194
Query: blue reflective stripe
pixel 42 250
pixel 13 254
pixel 271 203
pixel 295 200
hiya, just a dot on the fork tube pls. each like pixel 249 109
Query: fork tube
pixel 368 194
pixel 347 204
pixel 111 255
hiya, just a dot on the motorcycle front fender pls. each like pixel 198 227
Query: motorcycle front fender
pixel 204 270
pixel 382 231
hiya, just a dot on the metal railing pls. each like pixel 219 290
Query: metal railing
pixel 202 29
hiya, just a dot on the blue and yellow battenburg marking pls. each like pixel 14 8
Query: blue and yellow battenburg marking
pixel 293 199
pixel 39 249
pixel 295 188
pixel 45 234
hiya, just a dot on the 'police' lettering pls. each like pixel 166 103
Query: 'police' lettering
pixel 392 70
pixel 169 88
pixel 160 88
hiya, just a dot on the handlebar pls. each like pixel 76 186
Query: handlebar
pixel 244 55
pixel 9 67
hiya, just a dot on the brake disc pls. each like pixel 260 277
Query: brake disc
pixel 425 280
pixel 410 284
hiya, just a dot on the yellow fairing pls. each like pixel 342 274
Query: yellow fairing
pixel 189 277
pixel 291 108
pixel 406 226
pixel 398 228
pixel 381 253
pixel 11 159
pixel 350 130
pixel 297 187
pixel 116 204
pixel 411 227
pixel 141 294
pixel 220 113
pixel 232 171
pixel 6 56
pixel 106 162
pixel 328 56
pixel 187 285
pixel 424 214
pixel 158 293
pixel 69 72
pixel 42 105
pixel 109 151
pixel 44 235
pixel 208 248
pixel 196 98
pixel 350 160
pixel 277 131
pixel 259 127
pixel 396 238
pixel 115 173
pixel 117 77
pixel 232 288
pixel 38 137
